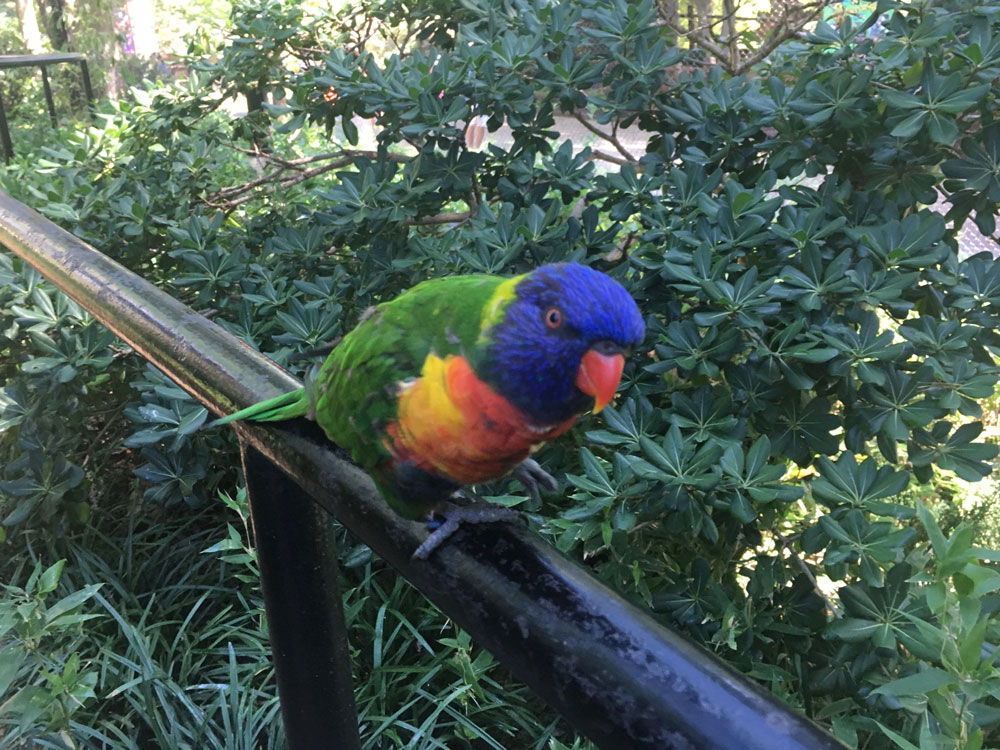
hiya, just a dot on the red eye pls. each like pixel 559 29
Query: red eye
pixel 553 317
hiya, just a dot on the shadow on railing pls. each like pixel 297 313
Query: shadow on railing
pixel 612 671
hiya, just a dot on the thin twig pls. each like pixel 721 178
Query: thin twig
pixel 773 42
pixel 229 205
pixel 700 36
pixel 314 52
pixel 629 532
pixel 705 38
pixel 100 434
pixel 294 163
pixel 239 189
pixel 620 253
pixel 809 574
pixel 228 196
pixel 698 29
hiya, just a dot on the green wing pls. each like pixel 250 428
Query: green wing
pixel 354 396
pixel 356 390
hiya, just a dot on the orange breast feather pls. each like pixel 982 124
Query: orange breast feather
pixel 452 423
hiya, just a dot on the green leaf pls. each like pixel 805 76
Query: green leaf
pixel 901 742
pixel 971 645
pixel 910 126
pixel 50 578
pixel 942 129
pixel 847 483
pixel 916 684
pixel 852 629
pixel 71 601
pixel 938 542
pixel 806 430
pixel 11 657
pixel 900 99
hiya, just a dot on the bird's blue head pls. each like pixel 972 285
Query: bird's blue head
pixel 559 345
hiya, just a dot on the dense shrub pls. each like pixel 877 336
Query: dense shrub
pixel 817 345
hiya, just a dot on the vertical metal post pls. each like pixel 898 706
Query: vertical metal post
pixel 8 147
pixel 48 97
pixel 88 90
pixel 298 569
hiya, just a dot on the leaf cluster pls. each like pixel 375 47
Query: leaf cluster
pixel 818 345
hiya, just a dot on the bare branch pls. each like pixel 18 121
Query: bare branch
pixel 352 153
pixel 707 26
pixel 246 194
pixel 336 159
pixel 779 36
pixel 605 156
pixel 729 57
pixel 609 137
pixel 604 548
pixel 447 218
pixel 620 253
pixel 263 179
pixel 669 9
pixel 702 38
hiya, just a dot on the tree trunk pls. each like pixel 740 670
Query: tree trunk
pixel 704 8
pixel 669 12
pixel 255 111
pixel 28 22
pixel 53 15
pixel 729 31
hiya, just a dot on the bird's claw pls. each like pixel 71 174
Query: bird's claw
pixel 467 507
pixel 534 478
pixel 454 517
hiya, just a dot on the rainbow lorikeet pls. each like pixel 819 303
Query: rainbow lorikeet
pixel 455 381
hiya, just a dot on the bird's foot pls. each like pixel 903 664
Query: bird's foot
pixel 444 524
pixel 534 478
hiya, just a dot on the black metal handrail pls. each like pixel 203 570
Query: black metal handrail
pixel 612 671
pixel 41 61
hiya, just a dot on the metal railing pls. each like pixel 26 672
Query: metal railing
pixel 613 672
pixel 41 61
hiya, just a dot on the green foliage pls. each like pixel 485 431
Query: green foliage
pixel 819 349
pixel 944 622
pixel 173 654
pixel 177 22
pixel 175 649
pixel 21 94
pixel 51 692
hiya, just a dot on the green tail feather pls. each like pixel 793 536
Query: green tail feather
pixel 286 406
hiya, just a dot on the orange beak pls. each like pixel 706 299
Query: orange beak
pixel 599 375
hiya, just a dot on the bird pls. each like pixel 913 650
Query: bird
pixel 459 379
